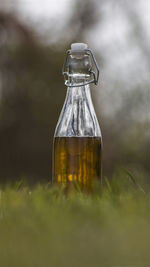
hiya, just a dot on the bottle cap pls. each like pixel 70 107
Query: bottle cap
pixel 77 47
pixel 80 48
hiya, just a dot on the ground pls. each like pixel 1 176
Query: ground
pixel 42 226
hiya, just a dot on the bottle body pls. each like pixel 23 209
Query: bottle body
pixel 77 149
pixel 77 160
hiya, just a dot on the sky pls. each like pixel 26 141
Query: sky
pixel 116 26
pixel 44 8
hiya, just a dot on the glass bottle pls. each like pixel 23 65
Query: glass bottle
pixel 77 148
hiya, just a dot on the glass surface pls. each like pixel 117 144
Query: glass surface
pixel 77 150
pixel 78 118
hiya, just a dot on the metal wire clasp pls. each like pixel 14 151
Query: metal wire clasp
pixel 91 72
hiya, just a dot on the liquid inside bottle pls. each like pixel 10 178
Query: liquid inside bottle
pixel 77 149
pixel 78 160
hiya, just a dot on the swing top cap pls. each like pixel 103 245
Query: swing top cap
pixel 80 57
pixel 78 47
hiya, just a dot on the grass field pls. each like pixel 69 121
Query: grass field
pixel 43 227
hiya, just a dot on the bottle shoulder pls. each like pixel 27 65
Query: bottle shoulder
pixel 78 117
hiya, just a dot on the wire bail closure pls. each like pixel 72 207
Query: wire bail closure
pixel 91 72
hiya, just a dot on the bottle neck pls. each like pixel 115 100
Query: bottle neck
pixel 79 94
pixel 78 80
pixel 80 64
pixel 78 69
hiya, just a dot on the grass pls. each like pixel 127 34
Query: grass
pixel 44 228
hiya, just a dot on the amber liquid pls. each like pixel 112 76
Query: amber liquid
pixel 77 160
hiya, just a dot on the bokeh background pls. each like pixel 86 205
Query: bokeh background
pixel 34 36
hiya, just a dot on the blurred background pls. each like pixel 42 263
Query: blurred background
pixel 34 36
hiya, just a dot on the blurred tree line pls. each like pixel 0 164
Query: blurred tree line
pixel 30 98
pixel 32 94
